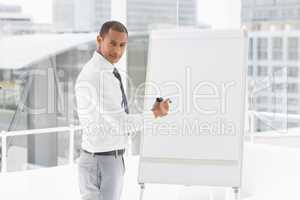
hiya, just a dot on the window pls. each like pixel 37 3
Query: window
pixel 262 48
pixel 277 87
pixel 298 12
pixel 292 12
pixel 276 110
pixel 262 100
pixel 262 71
pixel 274 13
pixel 276 100
pixel 292 88
pixel 278 71
pixel 250 54
pixel 293 48
pixel 293 124
pixel 285 13
pixel 293 72
pixel 293 101
pixel 250 70
pixel 277 44
pixel 262 109
pixel 293 111
pixel 258 14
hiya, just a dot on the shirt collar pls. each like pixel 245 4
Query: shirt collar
pixel 102 62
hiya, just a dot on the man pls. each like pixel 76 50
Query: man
pixel 103 112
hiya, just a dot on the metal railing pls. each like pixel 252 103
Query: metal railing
pixel 251 115
pixel 69 129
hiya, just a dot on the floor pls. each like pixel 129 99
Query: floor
pixel 270 173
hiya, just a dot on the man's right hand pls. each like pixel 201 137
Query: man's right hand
pixel 160 109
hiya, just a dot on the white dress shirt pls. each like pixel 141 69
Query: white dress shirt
pixel 106 126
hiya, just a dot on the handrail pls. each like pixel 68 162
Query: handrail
pixel 284 133
pixel 4 134
pixel 71 130
pixel 41 131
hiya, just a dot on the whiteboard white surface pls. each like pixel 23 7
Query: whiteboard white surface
pixel 200 141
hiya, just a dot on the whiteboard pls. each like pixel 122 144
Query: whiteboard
pixel 200 142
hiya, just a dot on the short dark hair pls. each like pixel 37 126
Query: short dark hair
pixel 114 25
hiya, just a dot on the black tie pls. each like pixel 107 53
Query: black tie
pixel 124 99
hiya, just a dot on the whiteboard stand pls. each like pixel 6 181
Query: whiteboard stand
pixel 210 152
pixel 142 186
pixel 236 191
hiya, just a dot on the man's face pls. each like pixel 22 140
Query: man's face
pixel 112 45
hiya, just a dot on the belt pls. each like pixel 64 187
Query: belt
pixel 119 152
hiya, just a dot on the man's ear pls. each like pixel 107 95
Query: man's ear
pixel 99 40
